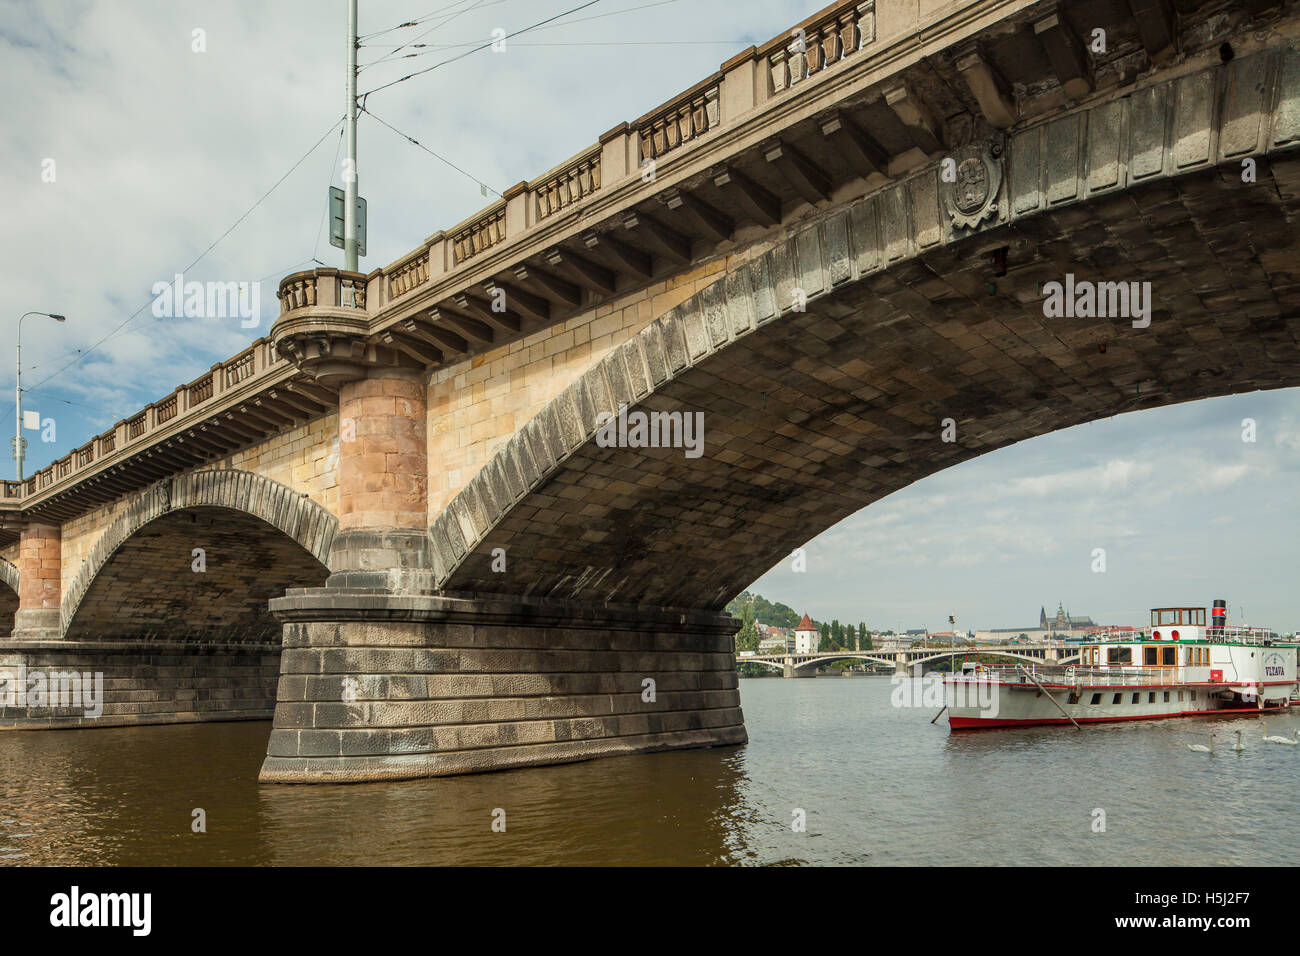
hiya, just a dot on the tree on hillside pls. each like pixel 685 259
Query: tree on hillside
pixel 747 639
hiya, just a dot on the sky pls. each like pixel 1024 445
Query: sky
pixel 158 149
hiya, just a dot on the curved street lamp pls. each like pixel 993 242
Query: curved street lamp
pixel 18 390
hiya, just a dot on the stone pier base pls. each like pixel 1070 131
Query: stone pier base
pixel 142 682
pixel 377 686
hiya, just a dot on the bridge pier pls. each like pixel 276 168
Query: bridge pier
pixel 39 583
pixel 382 677
pixel 389 686
pixel 382 541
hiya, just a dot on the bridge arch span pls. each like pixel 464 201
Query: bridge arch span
pixel 8 595
pixel 826 369
pixel 1027 657
pixel 864 656
pixel 258 537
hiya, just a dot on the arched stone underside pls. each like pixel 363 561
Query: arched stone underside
pixel 258 539
pixel 912 318
pixel 8 596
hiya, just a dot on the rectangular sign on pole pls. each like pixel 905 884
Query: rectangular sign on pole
pixel 336 221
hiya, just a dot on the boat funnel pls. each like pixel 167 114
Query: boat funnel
pixel 1219 616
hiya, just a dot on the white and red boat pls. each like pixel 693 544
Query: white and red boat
pixel 1181 666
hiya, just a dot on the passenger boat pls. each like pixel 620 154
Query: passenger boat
pixel 1178 667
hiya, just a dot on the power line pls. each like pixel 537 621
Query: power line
pixel 286 270
pixel 452 46
pixel 320 231
pixel 84 352
pixel 615 13
pixel 412 23
pixel 444 159
pixel 390 54
pixel 389 58
pixel 589 3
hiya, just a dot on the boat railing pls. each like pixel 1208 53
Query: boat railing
pixel 1070 675
pixel 1238 635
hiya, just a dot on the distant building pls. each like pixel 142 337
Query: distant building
pixel 1062 627
pixel 889 643
pixel 806 637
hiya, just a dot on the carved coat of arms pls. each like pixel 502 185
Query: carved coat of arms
pixel 970 179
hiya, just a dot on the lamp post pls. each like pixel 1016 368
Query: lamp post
pixel 18 390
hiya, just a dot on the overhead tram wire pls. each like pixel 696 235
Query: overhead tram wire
pixel 384 86
pixel 414 142
pixel 613 13
pixel 731 42
pixel 122 325
pixel 412 23
pixel 334 164
pixel 426 48
pixel 391 56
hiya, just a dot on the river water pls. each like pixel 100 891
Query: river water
pixel 877 784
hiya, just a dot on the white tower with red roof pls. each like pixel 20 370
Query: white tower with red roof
pixel 806 637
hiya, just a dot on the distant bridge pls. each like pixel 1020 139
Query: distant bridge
pixel 1051 652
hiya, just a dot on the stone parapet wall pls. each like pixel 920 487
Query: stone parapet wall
pixel 454 686
pixel 149 682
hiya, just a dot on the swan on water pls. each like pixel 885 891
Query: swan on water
pixel 1201 748
pixel 1237 745
pixel 1291 741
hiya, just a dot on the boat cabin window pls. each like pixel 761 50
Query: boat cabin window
pixel 1149 656
pixel 1175 616
pixel 1169 656
pixel 1119 655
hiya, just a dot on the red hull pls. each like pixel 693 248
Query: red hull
pixel 977 723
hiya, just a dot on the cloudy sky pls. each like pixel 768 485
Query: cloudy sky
pixel 158 150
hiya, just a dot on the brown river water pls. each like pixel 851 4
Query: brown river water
pixel 878 785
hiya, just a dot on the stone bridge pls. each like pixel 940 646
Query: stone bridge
pixel 404 524
pixel 912 659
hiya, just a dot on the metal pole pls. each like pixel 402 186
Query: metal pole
pixel 18 389
pixel 350 186
pixel 18 403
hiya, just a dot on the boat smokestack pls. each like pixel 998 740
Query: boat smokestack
pixel 1219 616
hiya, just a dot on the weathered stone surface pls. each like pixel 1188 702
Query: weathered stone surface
pixel 147 682
pixel 435 686
pixel 838 401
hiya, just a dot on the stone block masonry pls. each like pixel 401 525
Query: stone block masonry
pixel 150 682
pixel 434 686
pixel 478 405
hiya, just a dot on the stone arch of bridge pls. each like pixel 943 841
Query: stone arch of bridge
pixel 8 595
pixel 866 657
pixel 1029 658
pixel 197 557
pixel 887 339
